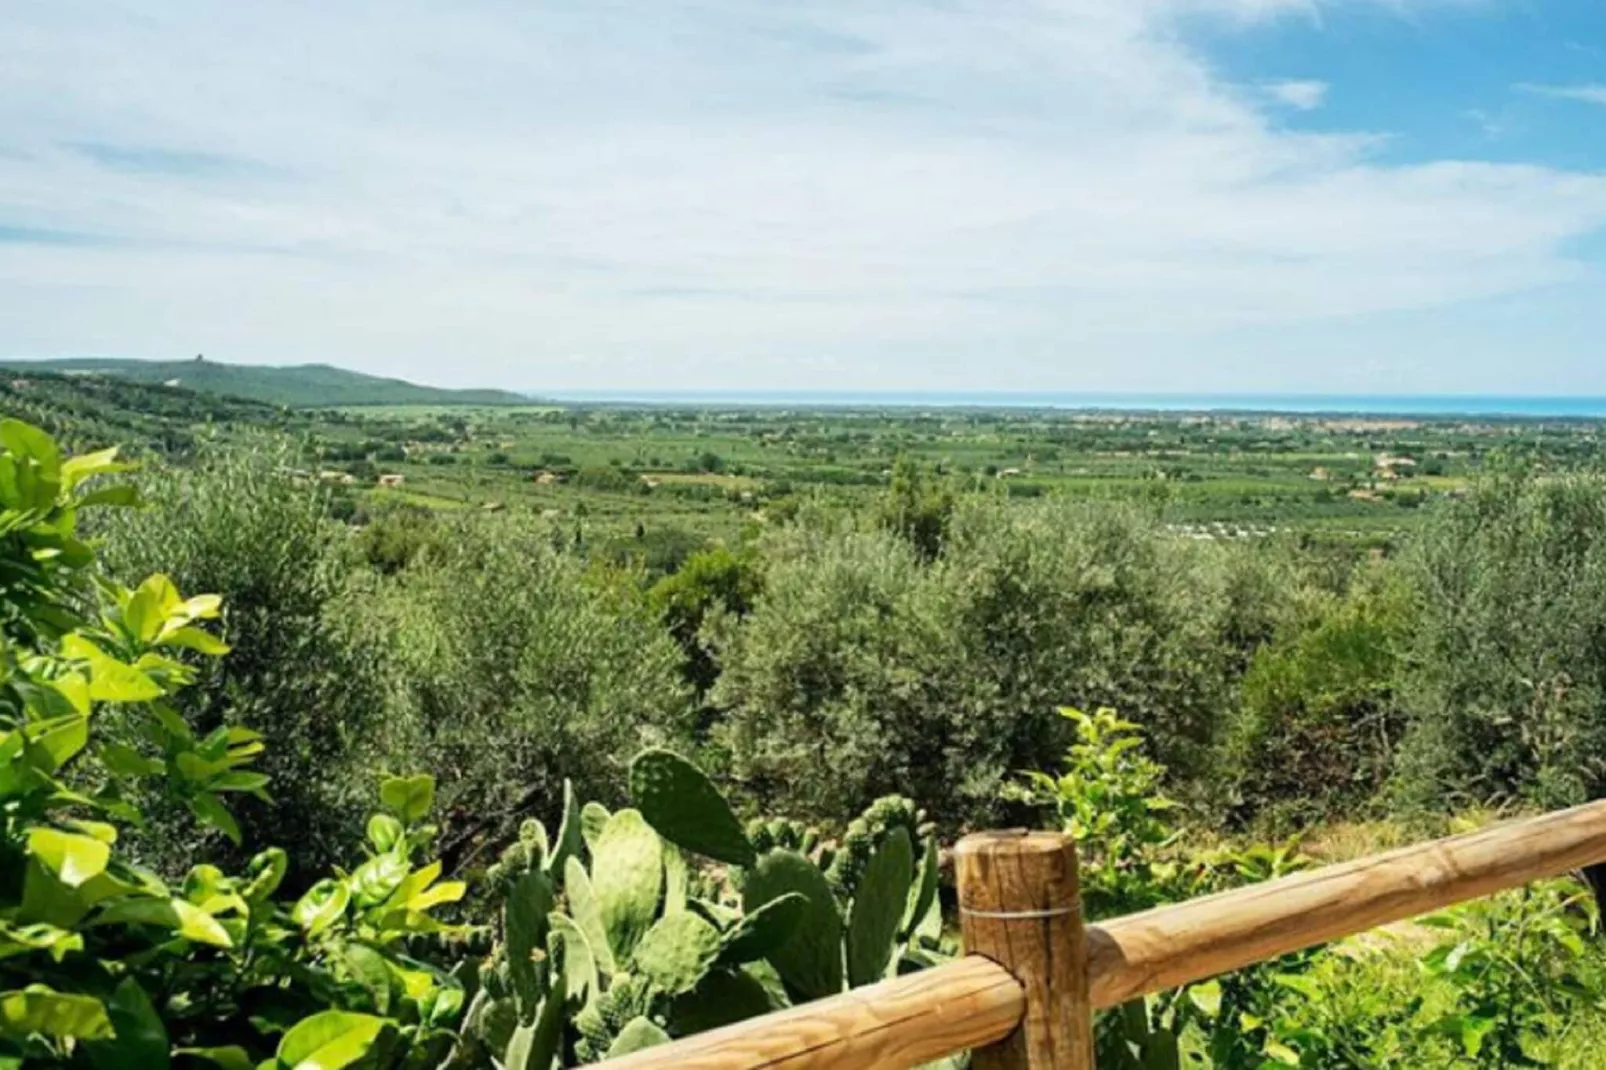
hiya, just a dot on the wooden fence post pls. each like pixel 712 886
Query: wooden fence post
pixel 1019 905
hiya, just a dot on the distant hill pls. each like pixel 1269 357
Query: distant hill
pixel 298 386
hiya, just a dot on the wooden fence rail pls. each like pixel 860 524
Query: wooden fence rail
pixel 1024 996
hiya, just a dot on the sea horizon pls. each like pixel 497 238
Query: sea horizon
pixel 1401 405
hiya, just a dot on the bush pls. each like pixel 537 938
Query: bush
pixel 238 526
pixel 511 667
pixel 1318 722
pixel 862 670
pixel 1507 694
pixel 103 964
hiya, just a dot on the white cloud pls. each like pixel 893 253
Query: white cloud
pixel 1303 94
pixel 1585 94
pixel 1039 193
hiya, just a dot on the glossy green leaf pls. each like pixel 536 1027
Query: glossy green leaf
pixel 53 1014
pixel 72 857
pixel 330 1040
pixel 410 798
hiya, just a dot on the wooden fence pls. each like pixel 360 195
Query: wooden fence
pixel 1023 996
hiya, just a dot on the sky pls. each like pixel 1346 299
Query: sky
pixel 1278 196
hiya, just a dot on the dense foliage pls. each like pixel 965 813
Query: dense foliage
pixel 884 674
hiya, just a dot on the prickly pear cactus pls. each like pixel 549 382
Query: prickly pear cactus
pixel 593 817
pixel 760 932
pixel 637 1035
pixel 865 833
pixel 580 974
pixel 681 802
pixel 524 928
pixel 810 961
pixel 678 952
pixel 628 997
pixel 569 842
pixel 878 909
pixel 769 834
pixel 627 878
pixel 586 912
pixel 721 998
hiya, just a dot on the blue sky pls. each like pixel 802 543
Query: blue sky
pixel 1070 195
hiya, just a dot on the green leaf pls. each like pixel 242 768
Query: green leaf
pixel 329 1040
pixel 409 797
pixel 377 878
pixel 324 903
pixel 593 819
pixel 121 495
pixel 574 952
pixel 384 831
pixel 569 842
pixel 627 879
pixel 109 679
pixel 37 1009
pixel 229 1058
pixel 583 908
pixel 923 892
pixel 59 739
pixel 73 858
pixel 1206 997
pixel 125 761
pixel 761 931
pixel 535 1045
pixel 198 640
pixel 210 809
pixel 141 1041
pixel 177 915
pixel 102 462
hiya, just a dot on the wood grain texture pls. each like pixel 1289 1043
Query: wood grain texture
pixel 1020 905
pixel 894 1025
pixel 1176 945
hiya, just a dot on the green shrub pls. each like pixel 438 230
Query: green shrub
pixel 1507 693
pixel 1318 719
pixel 511 667
pixel 863 670
pixel 103 964
pixel 239 525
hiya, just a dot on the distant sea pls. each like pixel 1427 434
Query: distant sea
pixel 1335 404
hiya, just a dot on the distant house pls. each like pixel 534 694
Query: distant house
pixel 1389 466
pixel 392 479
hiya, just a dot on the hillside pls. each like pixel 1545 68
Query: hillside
pixel 298 386
pixel 93 411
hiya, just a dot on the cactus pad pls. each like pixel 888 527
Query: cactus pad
pixel 721 998
pixel 879 908
pixel 637 1035
pixel 765 929
pixel 677 952
pixel 810 962
pixel 524 924
pixel 686 809
pixel 593 817
pixel 586 913
pixel 628 878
